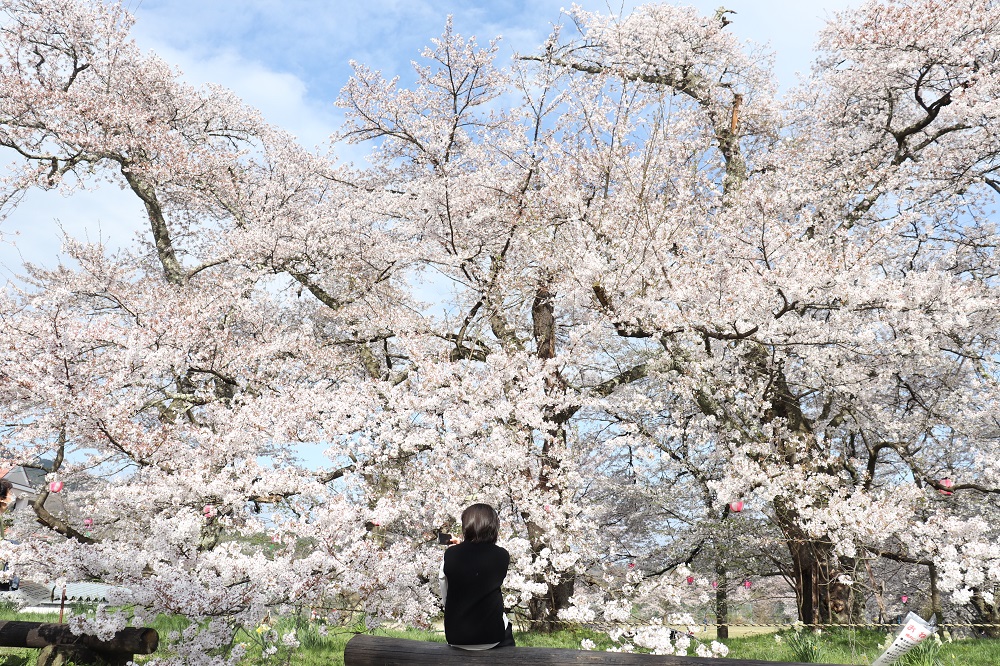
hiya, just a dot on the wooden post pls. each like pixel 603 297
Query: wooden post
pixel 62 604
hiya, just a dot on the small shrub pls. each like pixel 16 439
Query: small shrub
pixel 927 653
pixel 805 647
pixel 13 660
pixel 314 637
pixel 9 607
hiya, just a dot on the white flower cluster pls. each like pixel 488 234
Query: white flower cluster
pixel 102 623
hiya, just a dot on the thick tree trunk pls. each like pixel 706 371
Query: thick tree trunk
pixel 820 596
pixel 544 323
pixel 543 611
pixel 986 615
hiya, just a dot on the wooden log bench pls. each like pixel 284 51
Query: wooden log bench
pixel 365 650
pixel 61 646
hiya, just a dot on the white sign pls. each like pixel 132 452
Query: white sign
pixel 915 630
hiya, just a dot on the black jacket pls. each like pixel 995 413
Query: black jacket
pixel 473 610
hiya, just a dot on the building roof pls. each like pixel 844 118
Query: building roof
pixel 92 592
pixel 27 479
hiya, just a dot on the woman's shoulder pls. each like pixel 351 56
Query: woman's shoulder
pixel 482 546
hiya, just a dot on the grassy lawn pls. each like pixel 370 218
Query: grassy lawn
pixel 326 648
pixel 861 646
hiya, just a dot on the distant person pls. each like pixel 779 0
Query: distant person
pixel 7 498
pixel 470 581
pixel 6 494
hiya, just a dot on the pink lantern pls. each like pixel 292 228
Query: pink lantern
pixel 747 584
pixel 947 483
pixel 904 598
pixel 88 522
pixel 209 510
pixel 715 584
pixel 55 486
pixel 736 506
pixel 690 580
pixel 631 565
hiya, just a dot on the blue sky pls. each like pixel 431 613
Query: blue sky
pixel 290 59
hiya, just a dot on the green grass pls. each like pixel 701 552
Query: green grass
pixel 564 638
pixel 860 646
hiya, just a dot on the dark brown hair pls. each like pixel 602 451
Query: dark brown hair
pixel 480 524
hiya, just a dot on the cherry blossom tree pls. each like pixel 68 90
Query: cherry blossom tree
pixel 658 289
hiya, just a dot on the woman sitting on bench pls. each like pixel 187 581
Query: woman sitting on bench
pixel 470 581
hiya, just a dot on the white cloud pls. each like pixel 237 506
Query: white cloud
pixel 33 232
pixel 280 96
